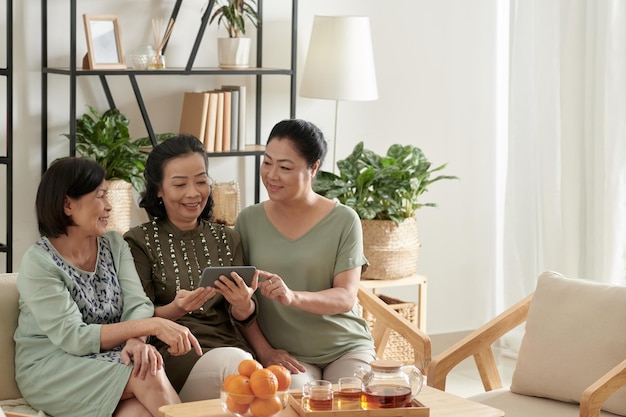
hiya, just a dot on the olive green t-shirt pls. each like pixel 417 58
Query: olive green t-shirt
pixel 309 263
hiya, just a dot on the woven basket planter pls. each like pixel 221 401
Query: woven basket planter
pixel 398 348
pixel 227 202
pixel 120 197
pixel 390 248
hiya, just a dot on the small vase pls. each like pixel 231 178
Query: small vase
pixel 157 62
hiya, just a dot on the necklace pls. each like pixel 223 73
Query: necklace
pixel 220 240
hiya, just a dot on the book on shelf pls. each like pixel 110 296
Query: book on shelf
pixel 211 122
pixel 226 127
pixel 194 114
pixel 219 122
pixel 241 114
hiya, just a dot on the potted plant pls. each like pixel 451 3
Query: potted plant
pixel 105 139
pixel 234 51
pixel 385 191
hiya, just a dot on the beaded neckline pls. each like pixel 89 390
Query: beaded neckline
pixel 220 239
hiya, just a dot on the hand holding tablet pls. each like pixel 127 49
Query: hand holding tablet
pixel 210 274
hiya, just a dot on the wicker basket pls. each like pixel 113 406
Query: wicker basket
pixel 120 196
pixel 398 348
pixel 227 202
pixel 390 248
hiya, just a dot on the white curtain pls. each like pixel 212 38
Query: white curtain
pixel 564 202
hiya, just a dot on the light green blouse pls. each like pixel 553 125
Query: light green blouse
pixel 58 363
pixel 309 263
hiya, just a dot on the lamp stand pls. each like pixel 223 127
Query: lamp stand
pixel 335 135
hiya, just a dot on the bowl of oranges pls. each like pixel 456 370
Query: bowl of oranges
pixel 256 391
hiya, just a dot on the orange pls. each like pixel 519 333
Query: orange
pixel 236 407
pixel 265 407
pixel 247 366
pixel 263 382
pixel 282 375
pixel 231 376
pixel 239 389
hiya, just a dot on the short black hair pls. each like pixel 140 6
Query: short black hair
pixel 307 138
pixel 173 147
pixel 67 177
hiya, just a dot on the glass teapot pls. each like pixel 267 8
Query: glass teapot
pixel 389 384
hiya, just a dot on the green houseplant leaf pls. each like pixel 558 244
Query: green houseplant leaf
pixel 234 13
pixel 105 139
pixel 379 187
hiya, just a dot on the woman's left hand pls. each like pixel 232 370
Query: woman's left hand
pixel 236 292
pixel 146 358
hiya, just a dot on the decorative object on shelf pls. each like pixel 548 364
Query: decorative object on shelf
pixel 140 58
pixel 340 63
pixel 105 139
pixel 104 43
pixel 227 200
pixel 234 51
pixel 385 191
pixel 158 60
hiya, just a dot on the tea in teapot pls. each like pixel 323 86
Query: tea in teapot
pixel 389 384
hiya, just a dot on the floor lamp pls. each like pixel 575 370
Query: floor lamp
pixel 340 63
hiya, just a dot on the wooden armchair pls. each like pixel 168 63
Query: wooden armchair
pixel 585 375
pixel 388 320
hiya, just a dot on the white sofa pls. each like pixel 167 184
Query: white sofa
pixel 11 399
pixel 572 360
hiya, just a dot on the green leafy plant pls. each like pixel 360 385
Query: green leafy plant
pixel 105 139
pixel 233 13
pixel 381 187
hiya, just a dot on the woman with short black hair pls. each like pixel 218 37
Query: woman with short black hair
pixel 80 344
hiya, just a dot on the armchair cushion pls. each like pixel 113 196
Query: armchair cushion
pixel 574 334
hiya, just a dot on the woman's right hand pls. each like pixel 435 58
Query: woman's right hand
pixel 179 338
pixel 186 301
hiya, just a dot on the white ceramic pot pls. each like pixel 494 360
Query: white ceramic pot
pixel 234 53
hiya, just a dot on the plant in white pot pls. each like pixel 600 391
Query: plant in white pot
pixel 105 139
pixel 385 191
pixel 234 51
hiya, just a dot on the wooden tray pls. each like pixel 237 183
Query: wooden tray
pixel 417 410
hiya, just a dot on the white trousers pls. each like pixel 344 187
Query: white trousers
pixel 206 376
pixel 344 366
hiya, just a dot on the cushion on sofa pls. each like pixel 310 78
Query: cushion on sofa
pixel 516 405
pixel 8 312
pixel 574 334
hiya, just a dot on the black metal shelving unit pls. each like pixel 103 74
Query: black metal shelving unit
pixel 6 159
pixel 73 72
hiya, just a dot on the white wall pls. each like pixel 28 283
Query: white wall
pixel 435 63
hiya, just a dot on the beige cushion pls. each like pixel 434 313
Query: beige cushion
pixel 515 405
pixel 575 333
pixel 8 323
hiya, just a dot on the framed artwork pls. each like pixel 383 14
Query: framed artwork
pixel 104 43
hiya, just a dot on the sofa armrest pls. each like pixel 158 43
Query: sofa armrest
pixel 479 344
pixel 597 393
pixel 387 319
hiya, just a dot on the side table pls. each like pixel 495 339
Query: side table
pixel 421 281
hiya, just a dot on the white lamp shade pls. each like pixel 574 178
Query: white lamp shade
pixel 340 61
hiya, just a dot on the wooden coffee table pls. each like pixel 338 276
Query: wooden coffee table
pixel 441 404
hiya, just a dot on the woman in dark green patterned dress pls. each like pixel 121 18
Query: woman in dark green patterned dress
pixel 170 252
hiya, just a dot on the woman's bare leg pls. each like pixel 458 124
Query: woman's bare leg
pixel 151 392
pixel 131 408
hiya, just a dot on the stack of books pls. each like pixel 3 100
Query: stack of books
pixel 217 117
